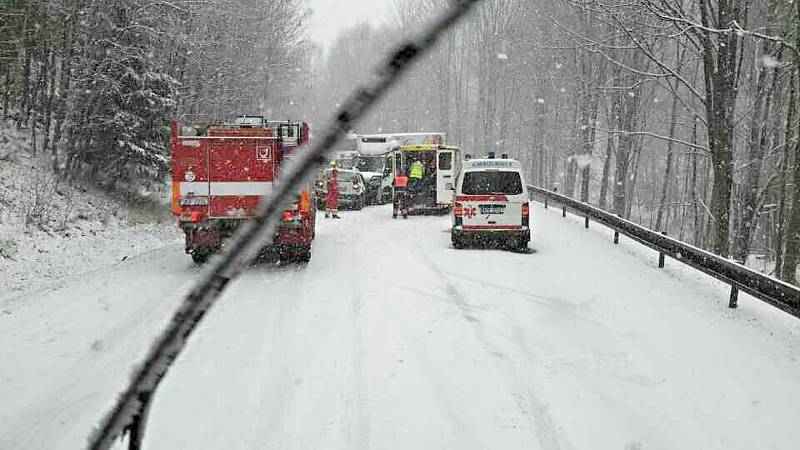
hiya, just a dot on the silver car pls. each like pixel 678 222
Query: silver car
pixel 352 189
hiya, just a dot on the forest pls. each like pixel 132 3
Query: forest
pixel 96 82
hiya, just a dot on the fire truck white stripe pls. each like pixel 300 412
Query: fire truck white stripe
pixel 222 188
pixel 194 188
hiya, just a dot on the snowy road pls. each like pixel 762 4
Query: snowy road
pixel 390 339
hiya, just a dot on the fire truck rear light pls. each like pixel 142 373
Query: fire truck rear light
pixel 458 209
pixel 293 214
pixel 195 217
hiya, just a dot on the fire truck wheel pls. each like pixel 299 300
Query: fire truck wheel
pixel 458 243
pixel 304 254
pixel 199 258
pixel 519 246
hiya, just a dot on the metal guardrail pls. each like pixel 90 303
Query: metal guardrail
pixel 770 290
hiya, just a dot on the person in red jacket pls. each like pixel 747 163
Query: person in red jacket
pixel 332 203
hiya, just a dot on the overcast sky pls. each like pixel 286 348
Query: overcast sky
pixel 331 16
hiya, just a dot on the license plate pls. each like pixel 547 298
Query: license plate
pixel 492 209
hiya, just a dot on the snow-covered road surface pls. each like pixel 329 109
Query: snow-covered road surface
pixel 391 339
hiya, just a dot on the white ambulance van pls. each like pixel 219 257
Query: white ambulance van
pixel 491 205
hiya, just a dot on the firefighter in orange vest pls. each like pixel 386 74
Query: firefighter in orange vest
pixel 400 203
pixel 332 203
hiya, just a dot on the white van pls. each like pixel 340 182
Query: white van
pixel 491 204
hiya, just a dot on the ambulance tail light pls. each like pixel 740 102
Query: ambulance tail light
pixel 458 211
pixel 526 214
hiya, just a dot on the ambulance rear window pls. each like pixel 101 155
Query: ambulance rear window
pixel 494 182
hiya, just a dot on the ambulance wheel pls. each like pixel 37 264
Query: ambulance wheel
pixel 199 258
pixel 520 246
pixel 458 243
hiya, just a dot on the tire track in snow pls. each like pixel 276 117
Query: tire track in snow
pixel 360 315
pixel 547 430
pixel 452 410
pixel 361 402
pixel 285 318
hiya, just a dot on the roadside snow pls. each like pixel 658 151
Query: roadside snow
pixel 51 230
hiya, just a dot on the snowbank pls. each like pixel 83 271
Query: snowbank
pixel 51 230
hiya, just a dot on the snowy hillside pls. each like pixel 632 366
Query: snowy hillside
pixel 51 229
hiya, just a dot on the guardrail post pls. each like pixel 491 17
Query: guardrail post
pixel 661 255
pixel 586 222
pixel 545 203
pixel 733 303
pixel 563 211
pixel 616 232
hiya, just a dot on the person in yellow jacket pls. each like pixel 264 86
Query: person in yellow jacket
pixel 416 173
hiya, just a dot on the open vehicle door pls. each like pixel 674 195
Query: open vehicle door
pixel 445 174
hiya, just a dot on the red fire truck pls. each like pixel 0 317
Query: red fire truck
pixel 220 173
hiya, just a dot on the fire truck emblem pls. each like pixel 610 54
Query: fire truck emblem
pixel 264 154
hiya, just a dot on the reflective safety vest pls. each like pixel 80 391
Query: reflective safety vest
pixel 417 170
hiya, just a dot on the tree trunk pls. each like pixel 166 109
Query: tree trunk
pixel 50 86
pixel 721 62
pixel 601 203
pixel 788 135
pixel 588 134
pixel 756 147
pixel 792 255
pixel 662 205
